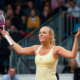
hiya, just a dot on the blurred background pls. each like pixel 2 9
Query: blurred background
pixel 24 18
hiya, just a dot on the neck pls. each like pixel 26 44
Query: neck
pixel 11 77
pixel 73 7
pixel 46 46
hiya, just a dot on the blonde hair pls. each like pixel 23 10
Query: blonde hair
pixel 76 64
pixel 52 39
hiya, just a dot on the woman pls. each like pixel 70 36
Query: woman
pixel 33 21
pixel 70 68
pixel 46 54
pixel 46 14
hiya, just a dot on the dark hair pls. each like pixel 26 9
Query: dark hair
pixel 73 1
pixel 47 5
pixel 30 1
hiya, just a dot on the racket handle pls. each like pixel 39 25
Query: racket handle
pixel 8 39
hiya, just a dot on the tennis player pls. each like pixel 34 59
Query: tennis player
pixel 46 54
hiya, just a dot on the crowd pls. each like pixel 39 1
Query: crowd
pixel 24 16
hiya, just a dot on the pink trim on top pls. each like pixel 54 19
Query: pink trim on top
pixel 36 54
pixel 0 13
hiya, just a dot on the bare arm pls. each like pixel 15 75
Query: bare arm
pixel 70 54
pixel 26 51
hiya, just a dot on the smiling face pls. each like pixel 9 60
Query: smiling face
pixel 44 35
pixel 12 72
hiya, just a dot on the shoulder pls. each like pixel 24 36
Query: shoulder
pixel 77 8
pixel 5 77
pixel 57 47
pixel 35 47
pixel 16 78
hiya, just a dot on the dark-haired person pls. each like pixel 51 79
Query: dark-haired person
pixel 46 54
pixel 11 75
pixel 73 8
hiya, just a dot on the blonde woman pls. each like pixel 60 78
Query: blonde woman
pixel 46 54
pixel 70 68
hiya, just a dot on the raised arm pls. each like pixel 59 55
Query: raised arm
pixel 26 51
pixel 70 54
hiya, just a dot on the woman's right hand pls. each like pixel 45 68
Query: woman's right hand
pixel 4 33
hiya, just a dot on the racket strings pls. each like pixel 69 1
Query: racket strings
pixel 1 20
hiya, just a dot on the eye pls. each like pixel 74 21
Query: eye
pixel 44 32
pixel 39 32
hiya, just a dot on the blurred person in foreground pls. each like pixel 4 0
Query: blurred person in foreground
pixel 33 21
pixel 47 53
pixel 11 75
pixel 70 68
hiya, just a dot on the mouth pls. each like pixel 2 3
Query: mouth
pixel 41 38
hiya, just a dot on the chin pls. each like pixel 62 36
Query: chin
pixel 42 41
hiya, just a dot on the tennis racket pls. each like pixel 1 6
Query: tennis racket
pixel 2 27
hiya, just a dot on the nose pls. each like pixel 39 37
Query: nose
pixel 41 34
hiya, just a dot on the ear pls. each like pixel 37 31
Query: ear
pixel 8 71
pixel 50 35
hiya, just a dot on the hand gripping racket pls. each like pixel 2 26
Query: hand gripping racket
pixel 2 27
